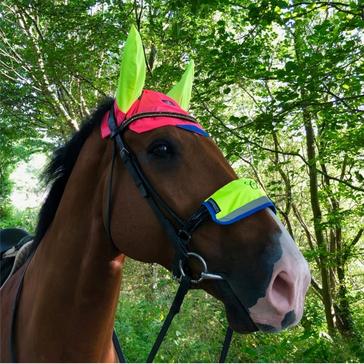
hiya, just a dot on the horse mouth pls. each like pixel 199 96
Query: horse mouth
pixel 239 320
pixel 237 315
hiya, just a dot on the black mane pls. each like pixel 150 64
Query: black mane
pixel 60 167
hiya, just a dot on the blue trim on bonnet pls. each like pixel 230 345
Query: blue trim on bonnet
pixel 194 129
pixel 240 217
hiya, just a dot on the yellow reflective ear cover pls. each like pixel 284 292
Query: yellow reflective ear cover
pixel 132 71
pixel 181 91
pixel 236 200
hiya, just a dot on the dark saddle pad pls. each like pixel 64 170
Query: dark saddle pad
pixel 12 237
pixel 9 238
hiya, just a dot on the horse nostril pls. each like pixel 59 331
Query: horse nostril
pixel 282 293
pixel 280 285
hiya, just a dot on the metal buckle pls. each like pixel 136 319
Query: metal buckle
pixel 204 274
pixel 184 235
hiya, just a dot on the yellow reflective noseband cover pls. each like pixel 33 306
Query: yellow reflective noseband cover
pixel 236 200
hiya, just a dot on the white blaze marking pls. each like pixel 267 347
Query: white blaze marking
pixel 287 292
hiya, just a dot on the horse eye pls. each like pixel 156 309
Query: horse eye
pixel 161 149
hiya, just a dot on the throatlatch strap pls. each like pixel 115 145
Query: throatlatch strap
pixel 176 305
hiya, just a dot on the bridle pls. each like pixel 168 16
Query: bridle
pixel 179 232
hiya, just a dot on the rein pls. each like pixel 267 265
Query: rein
pixel 179 233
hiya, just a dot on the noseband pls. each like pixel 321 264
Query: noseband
pixel 179 232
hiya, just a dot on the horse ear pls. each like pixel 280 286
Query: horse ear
pixel 132 71
pixel 181 92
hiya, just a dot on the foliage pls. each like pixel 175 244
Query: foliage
pixel 197 332
pixel 26 219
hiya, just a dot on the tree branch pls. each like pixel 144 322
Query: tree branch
pixel 351 245
pixel 295 154
pixel 316 287
pixel 333 4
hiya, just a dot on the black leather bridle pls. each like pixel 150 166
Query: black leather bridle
pixel 179 232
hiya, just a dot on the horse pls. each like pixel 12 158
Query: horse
pixel 156 188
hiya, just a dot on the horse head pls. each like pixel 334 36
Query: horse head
pixel 234 238
pixel 156 188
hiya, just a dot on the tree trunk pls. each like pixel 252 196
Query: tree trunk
pixel 341 304
pixel 344 321
pixel 314 188
pixel 317 217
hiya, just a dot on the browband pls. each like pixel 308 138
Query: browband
pixel 144 115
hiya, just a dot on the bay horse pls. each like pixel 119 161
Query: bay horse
pixel 153 204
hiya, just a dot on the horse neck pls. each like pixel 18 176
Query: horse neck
pixel 73 280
